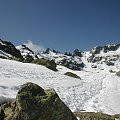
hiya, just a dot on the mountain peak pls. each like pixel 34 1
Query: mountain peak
pixel 24 48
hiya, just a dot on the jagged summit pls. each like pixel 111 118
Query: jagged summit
pixel 27 53
pixel 77 60
pixel 24 49
pixel 105 49
pixel 108 54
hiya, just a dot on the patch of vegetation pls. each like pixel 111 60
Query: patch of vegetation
pixel 93 116
pixel 118 73
pixel 3 57
pixel 16 59
pixel 49 64
pixel 72 75
pixel 117 116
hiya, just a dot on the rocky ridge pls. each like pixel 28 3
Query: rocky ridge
pixel 9 51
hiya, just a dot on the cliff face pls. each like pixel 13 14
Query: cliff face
pixel 8 50
pixel 34 103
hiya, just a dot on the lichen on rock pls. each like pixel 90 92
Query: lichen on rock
pixel 34 103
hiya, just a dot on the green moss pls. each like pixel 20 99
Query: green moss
pixel 93 116
pixel 72 75
pixel 49 64
pixel 117 116
pixel 8 113
pixel 118 73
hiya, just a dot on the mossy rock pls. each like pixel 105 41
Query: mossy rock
pixel 34 103
pixel 93 116
pixel 118 73
pixel 70 74
pixel 48 63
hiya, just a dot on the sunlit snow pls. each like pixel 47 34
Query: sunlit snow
pixel 97 90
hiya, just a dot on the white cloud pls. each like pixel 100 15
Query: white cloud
pixel 34 47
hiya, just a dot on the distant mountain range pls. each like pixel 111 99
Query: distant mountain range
pixel 77 60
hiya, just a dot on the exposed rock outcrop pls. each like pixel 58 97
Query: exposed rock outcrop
pixel 9 48
pixel 34 103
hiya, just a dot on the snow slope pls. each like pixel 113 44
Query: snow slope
pixel 96 91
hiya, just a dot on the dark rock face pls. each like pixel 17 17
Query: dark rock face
pixel 96 50
pixel 34 103
pixel 105 49
pixel 71 64
pixel 111 48
pixel 47 51
pixel 24 47
pixel 27 53
pixel 28 58
pixel 77 53
pixel 9 48
pixel 2 114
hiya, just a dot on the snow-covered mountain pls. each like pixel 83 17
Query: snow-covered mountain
pixel 98 58
pixel 98 90
pixel 27 53
pixel 70 61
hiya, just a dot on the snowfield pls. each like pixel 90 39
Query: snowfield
pixel 97 91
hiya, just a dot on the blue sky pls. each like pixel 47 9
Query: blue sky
pixel 63 25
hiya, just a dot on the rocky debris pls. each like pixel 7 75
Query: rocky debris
pixel 34 103
pixel 109 63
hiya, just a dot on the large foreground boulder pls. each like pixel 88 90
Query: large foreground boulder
pixel 34 103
